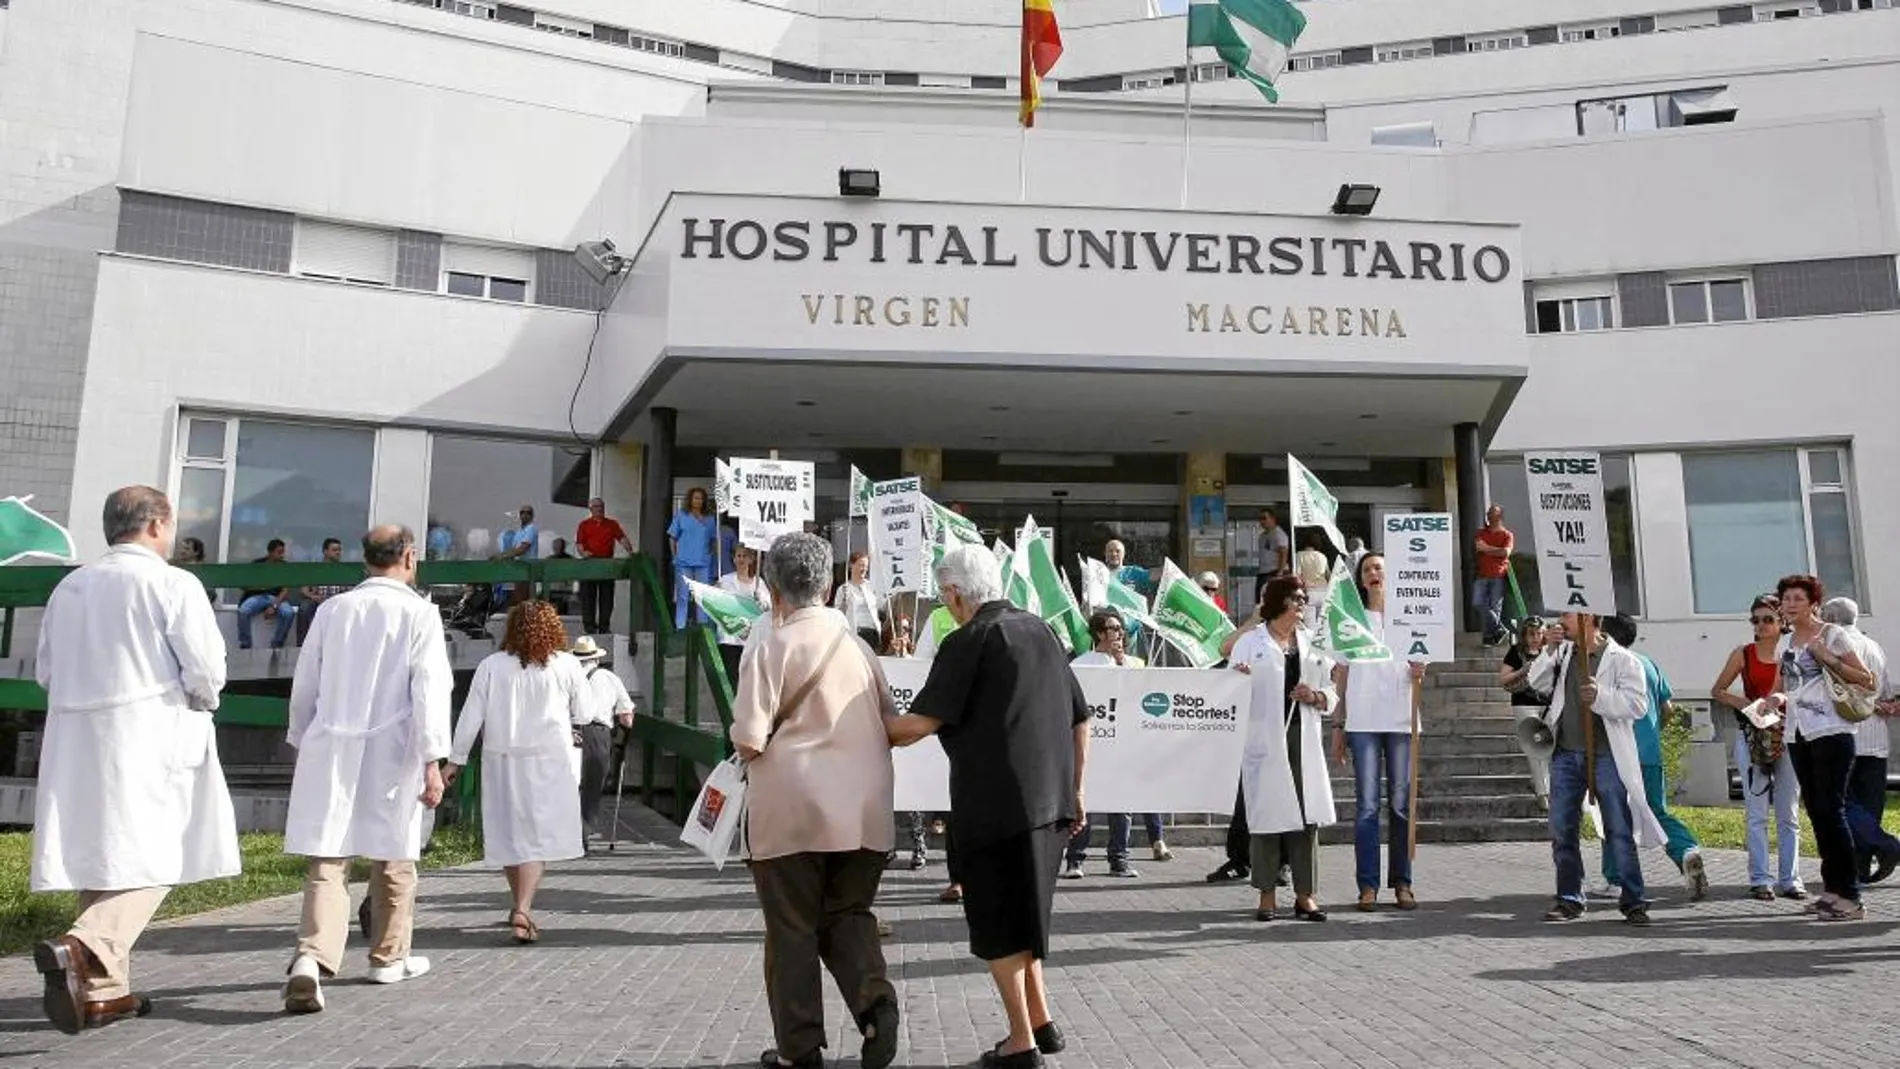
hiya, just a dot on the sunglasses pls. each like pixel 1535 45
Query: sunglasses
pixel 1764 620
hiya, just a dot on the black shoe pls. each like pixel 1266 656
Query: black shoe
pixel 1637 918
pixel 814 1060
pixel 1029 1059
pixel 1564 910
pixel 1122 869
pixel 880 1049
pixel 1888 861
pixel 1228 873
pixel 1049 1039
pixel 1300 914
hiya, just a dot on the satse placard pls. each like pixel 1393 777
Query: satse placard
pixel 1419 587
pixel 1570 531
pixel 897 532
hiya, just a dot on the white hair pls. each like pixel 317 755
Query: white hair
pixel 1842 612
pixel 974 571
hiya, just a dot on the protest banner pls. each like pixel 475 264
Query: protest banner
pixel 1420 587
pixel 1570 532
pixel 899 536
pixel 776 497
pixel 1163 740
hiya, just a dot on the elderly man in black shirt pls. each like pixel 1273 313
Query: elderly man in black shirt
pixel 1013 722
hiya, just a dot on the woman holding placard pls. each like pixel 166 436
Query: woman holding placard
pixel 1375 720
pixel 1283 772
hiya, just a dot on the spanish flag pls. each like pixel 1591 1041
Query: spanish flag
pixel 1042 46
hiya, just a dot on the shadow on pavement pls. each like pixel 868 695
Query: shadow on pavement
pixel 1682 966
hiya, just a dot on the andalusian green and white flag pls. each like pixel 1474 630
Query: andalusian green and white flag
pixel 730 614
pixel 1017 589
pixel 1254 37
pixel 952 528
pixel 1187 619
pixel 725 488
pixel 1344 631
pixel 860 493
pixel 1057 601
pixel 1101 590
pixel 25 532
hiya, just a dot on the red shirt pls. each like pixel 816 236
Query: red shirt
pixel 597 537
pixel 1489 566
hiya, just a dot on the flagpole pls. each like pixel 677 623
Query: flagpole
pixel 1411 802
pixel 1187 117
pixel 1022 165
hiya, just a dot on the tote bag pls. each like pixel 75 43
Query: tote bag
pixel 713 825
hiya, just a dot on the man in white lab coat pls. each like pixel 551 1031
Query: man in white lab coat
pixel 369 716
pixel 131 799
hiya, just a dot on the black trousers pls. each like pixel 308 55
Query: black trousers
pixel 1822 767
pixel 597 744
pixel 597 606
pixel 818 911
pixel 1868 785
pixel 1239 842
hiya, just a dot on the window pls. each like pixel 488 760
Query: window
pixel 1716 300
pixel 344 253
pixel 1389 55
pixel 662 48
pixel 1211 72
pixel 486 271
pixel 1319 61
pixel 1146 81
pixel 244 481
pixel 565 27
pixel 1654 111
pixel 1497 44
pixel 476 486
pixel 470 8
pixel 1568 314
pixel 1759 515
pixel 857 77
pixel 1591 33
pixel 1508 488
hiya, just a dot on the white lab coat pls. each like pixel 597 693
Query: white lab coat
pixel 1266 772
pixel 130 793
pixel 531 788
pixel 369 705
pixel 1622 699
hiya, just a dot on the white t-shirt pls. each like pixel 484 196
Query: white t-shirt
pixel 607 696
pixel 1804 681
pixel 1098 659
pixel 1379 693
pixel 1870 735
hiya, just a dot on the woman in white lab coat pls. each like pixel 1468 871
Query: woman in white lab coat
pixel 526 698
pixel 1283 773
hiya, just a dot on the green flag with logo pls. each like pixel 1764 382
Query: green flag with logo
pixel 725 488
pixel 25 532
pixel 1344 632
pixel 1052 593
pixel 730 614
pixel 1101 590
pixel 1188 619
pixel 860 493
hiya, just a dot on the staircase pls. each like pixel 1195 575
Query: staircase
pixel 1474 781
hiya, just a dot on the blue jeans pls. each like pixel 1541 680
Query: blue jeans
pixel 250 607
pixel 1566 826
pixel 1121 828
pixel 682 599
pixel 1762 791
pixel 1394 748
pixel 1488 596
pixel 1681 839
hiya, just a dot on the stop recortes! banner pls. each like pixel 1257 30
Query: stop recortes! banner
pixel 1163 740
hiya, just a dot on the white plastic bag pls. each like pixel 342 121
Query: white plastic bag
pixel 718 814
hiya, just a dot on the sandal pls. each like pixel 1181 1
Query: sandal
pixel 525 930
pixel 1404 898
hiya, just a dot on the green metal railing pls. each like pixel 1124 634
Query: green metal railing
pixel 679 731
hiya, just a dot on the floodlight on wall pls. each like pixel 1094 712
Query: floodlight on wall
pixel 600 260
pixel 857 182
pixel 1355 199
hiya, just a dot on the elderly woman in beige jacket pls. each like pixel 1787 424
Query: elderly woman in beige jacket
pixel 809 720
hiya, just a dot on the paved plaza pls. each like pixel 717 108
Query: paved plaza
pixel 649 958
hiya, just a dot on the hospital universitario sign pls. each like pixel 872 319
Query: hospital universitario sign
pixel 816 267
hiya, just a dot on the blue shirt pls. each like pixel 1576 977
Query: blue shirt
pixel 1134 577
pixel 695 535
pixel 531 535
pixel 1649 726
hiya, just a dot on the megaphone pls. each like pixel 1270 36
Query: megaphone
pixel 1534 737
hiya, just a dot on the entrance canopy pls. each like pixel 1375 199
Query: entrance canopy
pixel 874 322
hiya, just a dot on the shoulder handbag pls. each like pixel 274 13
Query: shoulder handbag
pixel 1851 703
pixel 1765 745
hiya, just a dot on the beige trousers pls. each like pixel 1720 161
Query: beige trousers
pixel 327 914
pixel 109 923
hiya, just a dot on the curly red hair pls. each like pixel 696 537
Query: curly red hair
pixel 534 633
pixel 1807 584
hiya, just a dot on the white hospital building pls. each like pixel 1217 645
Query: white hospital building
pixel 309 263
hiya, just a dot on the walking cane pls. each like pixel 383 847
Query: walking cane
pixel 1411 802
pixel 620 790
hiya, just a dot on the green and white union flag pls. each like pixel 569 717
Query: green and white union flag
pixel 730 614
pixel 1188 619
pixel 860 493
pixel 1253 37
pixel 25 532
pixel 1101 590
pixel 1346 632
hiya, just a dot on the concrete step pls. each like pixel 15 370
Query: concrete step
pixel 1446 710
pixel 1461 726
pixel 1463 807
pixel 1438 680
pixel 1435 765
pixel 1472 745
pixel 1454 786
pixel 1519 829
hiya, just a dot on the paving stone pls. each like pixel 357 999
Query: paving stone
pixel 649 958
